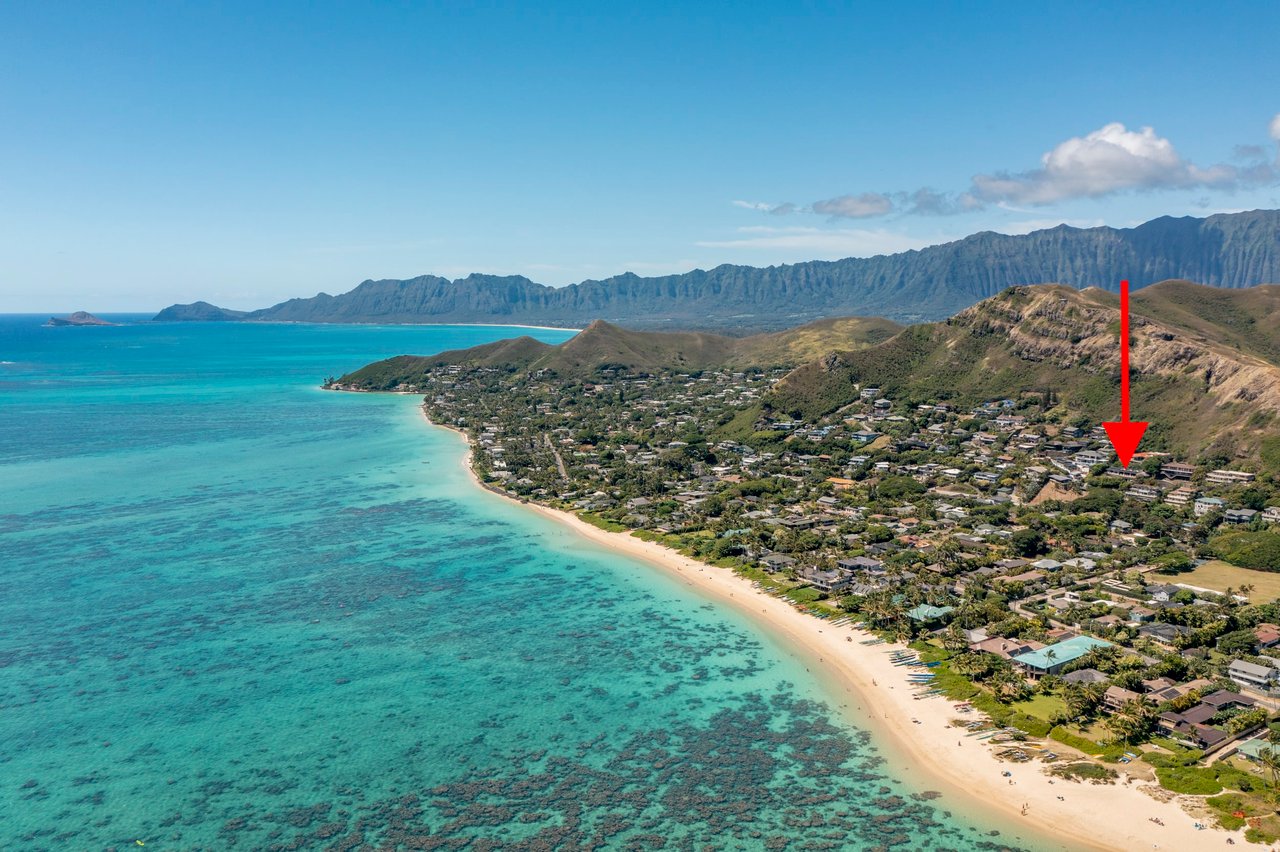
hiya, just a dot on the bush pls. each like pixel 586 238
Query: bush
pixel 1193 780
pixel 1034 726
pixel 1257 550
pixel 1201 780
pixel 1085 771
pixel 1088 746
pixel 1225 806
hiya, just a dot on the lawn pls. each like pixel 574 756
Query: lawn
pixel 1041 706
pixel 1218 575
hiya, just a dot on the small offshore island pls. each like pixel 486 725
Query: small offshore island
pixel 935 515
pixel 77 318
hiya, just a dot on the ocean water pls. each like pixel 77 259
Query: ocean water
pixel 238 612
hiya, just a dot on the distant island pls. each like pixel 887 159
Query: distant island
pixel 1233 250
pixel 78 318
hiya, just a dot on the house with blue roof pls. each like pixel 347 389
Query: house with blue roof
pixel 1052 659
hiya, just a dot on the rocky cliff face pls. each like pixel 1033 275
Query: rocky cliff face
pixel 1234 250
pixel 1079 331
pixel 1200 383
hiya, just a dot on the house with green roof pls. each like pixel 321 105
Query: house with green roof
pixel 1052 659
pixel 926 613
pixel 1252 749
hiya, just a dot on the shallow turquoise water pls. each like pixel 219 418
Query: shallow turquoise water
pixel 240 612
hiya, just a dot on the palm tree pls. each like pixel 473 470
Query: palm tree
pixel 970 664
pixel 954 639
pixel 1132 721
pixel 1082 698
pixel 1270 760
pixel 1050 655
pixel 1008 685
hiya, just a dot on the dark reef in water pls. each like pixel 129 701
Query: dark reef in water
pixel 738 782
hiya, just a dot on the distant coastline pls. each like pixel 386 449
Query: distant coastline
pixel 923 747
pixel 372 323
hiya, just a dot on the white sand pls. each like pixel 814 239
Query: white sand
pixel 931 753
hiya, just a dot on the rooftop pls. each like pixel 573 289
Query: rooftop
pixel 1066 651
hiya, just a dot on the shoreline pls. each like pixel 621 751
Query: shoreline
pixel 928 753
pixel 396 324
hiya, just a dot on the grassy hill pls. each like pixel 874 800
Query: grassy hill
pixel 1202 374
pixel 507 355
pixel 602 345
pixel 1248 320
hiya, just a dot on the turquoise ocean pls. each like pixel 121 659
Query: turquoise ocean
pixel 239 612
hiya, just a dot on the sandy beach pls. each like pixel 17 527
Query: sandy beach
pixel 919 742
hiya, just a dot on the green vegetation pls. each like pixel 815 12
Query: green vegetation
pixel 603 523
pixel 1269 455
pixel 1181 773
pixel 1110 753
pixel 602 346
pixel 1085 771
pixel 1258 550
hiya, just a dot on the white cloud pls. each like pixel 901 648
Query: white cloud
pixel 828 242
pixel 1111 159
pixel 783 209
pixel 862 206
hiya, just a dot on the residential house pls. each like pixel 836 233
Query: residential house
pixel 1162 633
pixel 1251 674
pixel 1143 493
pixel 1053 658
pixel 1239 516
pixel 1267 634
pixel 1228 477
pixel 926 613
pixel 1005 648
pixel 826 581
pixel 1205 505
pixel 775 562
pixel 1085 676
pixel 862 564
pixel 1116 697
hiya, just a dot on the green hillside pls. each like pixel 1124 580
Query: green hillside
pixel 1199 378
pixel 1246 319
pixel 603 346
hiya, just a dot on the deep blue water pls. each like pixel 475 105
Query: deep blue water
pixel 238 612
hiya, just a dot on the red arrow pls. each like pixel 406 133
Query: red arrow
pixel 1124 435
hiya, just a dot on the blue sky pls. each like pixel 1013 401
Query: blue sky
pixel 247 153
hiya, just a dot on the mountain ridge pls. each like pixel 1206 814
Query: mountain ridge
pixel 602 345
pixel 1231 250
